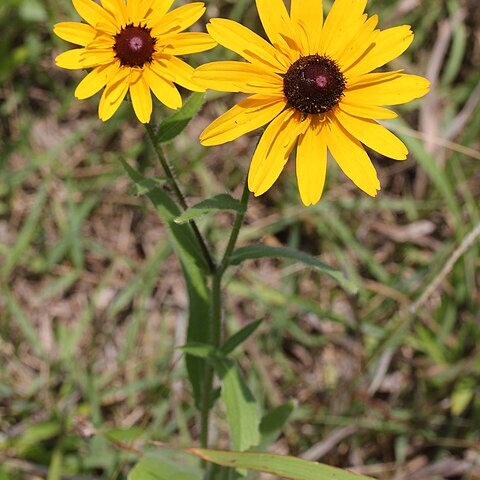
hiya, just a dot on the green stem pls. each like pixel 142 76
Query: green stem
pixel 235 230
pixel 215 333
pixel 178 193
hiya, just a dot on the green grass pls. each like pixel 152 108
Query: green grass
pixel 92 303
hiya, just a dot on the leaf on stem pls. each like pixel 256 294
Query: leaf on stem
pixel 175 124
pixel 144 186
pixel 238 338
pixel 273 422
pixel 200 350
pixel 165 465
pixel 261 251
pixel 282 465
pixel 194 269
pixel 242 413
pixel 223 201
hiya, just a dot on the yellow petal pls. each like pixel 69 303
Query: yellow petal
pixel 372 78
pixel 115 86
pixel 307 20
pixel 137 10
pixel 238 77
pixel 75 32
pixel 98 56
pixel 102 41
pixel 347 37
pixel 400 89
pixel 118 9
pixel 189 42
pixel 340 22
pixel 96 80
pixel 177 20
pixel 366 111
pixel 249 45
pixel 141 99
pixel 71 59
pixel 163 89
pixel 363 39
pixel 248 115
pixel 311 162
pixel 135 74
pixel 161 66
pixel 278 27
pixel 107 28
pixel 113 96
pixel 274 149
pixel 389 44
pixel 159 8
pixel 181 73
pixel 93 13
pixel 351 157
pixel 373 135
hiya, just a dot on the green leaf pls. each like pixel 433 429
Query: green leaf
pixel 200 350
pixel 282 465
pixel 144 186
pixel 273 422
pixel 56 464
pixel 462 395
pixel 223 201
pixel 242 413
pixel 26 234
pixel 157 468
pixel 24 323
pixel 260 251
pixel 185 243
pixel 175 124
pixel 238 338
pixel 194 270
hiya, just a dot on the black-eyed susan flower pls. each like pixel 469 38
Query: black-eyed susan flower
pixel 131 46
pixel 314 88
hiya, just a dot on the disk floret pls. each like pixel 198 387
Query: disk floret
pixel 314 84
pixel 134 46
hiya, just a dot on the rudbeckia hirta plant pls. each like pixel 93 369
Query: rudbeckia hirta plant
pixel 132 47
pixel 314 87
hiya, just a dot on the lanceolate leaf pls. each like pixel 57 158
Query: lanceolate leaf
pixel 194 268
pixel 223 201
pixel 201 350
pixel 273 422
pixel 174 125
pixel 260 251
pixel 281 465
pixel 242 413
pixel 185 241
pixel 166 465
pixel 238 338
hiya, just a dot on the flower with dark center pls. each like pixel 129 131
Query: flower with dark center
pixel 312 86
pixel 131 46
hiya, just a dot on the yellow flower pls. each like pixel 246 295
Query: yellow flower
pixel 312 85
pixel 131 47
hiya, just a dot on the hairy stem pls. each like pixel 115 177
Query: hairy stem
pixel 178 193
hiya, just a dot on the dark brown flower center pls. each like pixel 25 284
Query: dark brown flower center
pixel 134 46
pixel 314 84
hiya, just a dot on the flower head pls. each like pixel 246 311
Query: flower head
pixel 314 88
pixel 132 46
